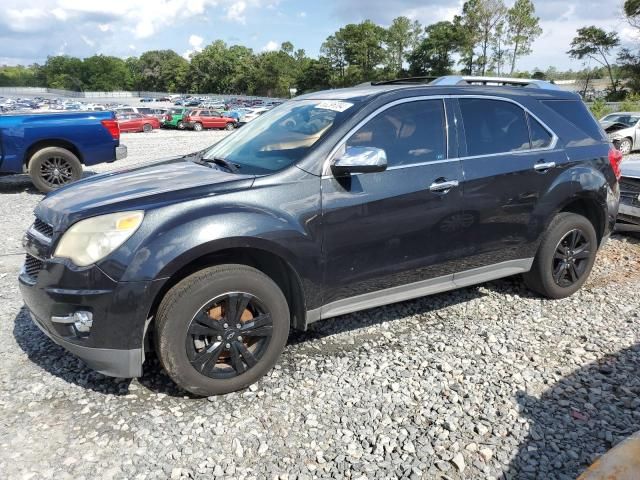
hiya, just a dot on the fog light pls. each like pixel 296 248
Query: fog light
pixel 81 320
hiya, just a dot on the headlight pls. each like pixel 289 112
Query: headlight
pixel 90 240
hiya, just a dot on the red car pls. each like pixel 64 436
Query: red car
pixel 135 122
pixel 201 119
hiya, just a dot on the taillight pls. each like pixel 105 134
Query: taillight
pixel 615 159
pixel 113 128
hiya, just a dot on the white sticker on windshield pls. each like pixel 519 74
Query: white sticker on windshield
pixel 335 105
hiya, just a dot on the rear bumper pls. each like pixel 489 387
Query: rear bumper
pixel 111 362
pixel 121 152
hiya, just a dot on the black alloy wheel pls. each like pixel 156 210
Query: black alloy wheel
pixel 571 259
pixel 221 329
pixel 56 171
pixel 565 256
pixel 229 335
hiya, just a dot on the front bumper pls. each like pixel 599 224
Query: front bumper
pixel 108 361
pixel 121 152
pixel 114 344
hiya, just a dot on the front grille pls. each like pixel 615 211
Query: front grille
pixel 630 191
pixel 43 228
pixel 32 266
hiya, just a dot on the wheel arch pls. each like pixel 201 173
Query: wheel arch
pixel 589 208
pixel 52 142
pixel 268 262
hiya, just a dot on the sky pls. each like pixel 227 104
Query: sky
pixel 32 30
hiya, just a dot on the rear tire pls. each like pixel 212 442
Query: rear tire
pixel 209 349
pixel 181 125
pixel 565 257
pixel 53 167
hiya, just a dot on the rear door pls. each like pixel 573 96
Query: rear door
pixel 399 226
pixel 510 162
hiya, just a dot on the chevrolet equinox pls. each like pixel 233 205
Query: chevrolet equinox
pixel 331 203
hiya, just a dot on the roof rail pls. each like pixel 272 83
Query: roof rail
pixel 451 80
pixel 406 81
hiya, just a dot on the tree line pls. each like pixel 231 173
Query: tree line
pixel 485 38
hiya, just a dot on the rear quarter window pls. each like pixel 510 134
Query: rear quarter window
pixel 577 113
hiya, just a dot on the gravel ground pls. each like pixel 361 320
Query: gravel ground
pixel 485 382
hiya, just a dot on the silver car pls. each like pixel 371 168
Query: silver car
pixel 623 129
pixel 629 212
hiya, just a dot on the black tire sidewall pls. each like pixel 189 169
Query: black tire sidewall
pixel 543 265
pixel 188 296
pixel 36 161
pixel 147 127
pixel 197 127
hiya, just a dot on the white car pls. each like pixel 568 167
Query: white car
pixel 623 129
pixel 629 211
pixel 252 114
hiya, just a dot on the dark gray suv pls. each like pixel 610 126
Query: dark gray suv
pixel 331 203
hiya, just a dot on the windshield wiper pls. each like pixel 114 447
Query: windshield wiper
pixel 198 157
pixel 232 167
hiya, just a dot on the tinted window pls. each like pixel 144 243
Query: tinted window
pixel 540 137
pixel 493 126
pixel 409 133
pixel 577 113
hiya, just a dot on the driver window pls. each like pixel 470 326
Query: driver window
pixel 409 133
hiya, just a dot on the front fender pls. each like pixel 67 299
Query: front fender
pixel 163 247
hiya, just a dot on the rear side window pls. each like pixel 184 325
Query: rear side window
pixel 540 136
pixel 409 133
pixel 576 112
pixel 493 126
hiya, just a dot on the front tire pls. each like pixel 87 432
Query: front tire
pixel 625 146
pixel 181 125
pixel 229 127
pixel 147 127
pixel 565 257
pixel 221 329
pixel 197 127
pixel 53 167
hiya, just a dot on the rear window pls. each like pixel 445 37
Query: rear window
pixel 576 113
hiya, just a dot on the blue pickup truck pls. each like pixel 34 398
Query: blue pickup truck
pixel 52 147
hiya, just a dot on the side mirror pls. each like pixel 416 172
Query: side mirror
pixel 360 160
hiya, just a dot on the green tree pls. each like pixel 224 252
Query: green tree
pixel 104 73
pixel 333 49
pixel 21 76
pixel 314 75
pixel 523 28
pixel 632 12
pixel 489 15
pixel 434 54
pixel 364 51
pixel 468 34
pixel 161 71
pixel 596 44
pixel 403 35
pixel 64 72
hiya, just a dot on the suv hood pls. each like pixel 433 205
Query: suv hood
pixel 143 187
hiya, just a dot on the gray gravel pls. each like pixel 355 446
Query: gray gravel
pixel 486 382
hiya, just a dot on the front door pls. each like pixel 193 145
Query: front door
pixel 402 225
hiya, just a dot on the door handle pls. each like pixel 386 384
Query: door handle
pixel 542 166
pixel 443 186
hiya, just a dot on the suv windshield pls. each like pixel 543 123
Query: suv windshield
pixel 281 136
pixel 625 119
